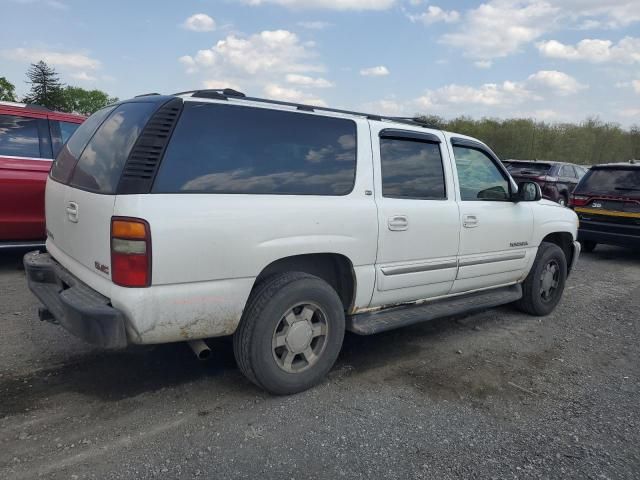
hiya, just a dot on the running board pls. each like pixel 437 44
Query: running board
pixel 402 316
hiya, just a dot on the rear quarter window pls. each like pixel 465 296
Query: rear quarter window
pixel 102 160
pixel 234 149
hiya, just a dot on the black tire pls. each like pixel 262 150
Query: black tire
pixel 534 301
pixel 588 246
pixel 265 311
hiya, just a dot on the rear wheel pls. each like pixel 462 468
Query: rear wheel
pixel 588 246
pixel 290 334
pixel 543 287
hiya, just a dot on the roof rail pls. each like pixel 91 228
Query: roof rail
pixel 224 93
pixel 146 94
pixel 35 106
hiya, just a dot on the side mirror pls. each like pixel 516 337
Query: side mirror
pixel 528 192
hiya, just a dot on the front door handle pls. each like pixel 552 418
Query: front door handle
pixel 470 221
pixel 398 223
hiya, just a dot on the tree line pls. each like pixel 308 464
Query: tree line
pixel 47 90
pixel 590 142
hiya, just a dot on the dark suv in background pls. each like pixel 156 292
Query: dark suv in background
pixel 607 201
pixel 556 179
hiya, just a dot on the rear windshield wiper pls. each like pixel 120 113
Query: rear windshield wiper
pixel 628 188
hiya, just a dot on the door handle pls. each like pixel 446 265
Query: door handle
pixel 72 212
pixel 398 223
pixel 470 221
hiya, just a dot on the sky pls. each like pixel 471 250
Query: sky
pixel 552 60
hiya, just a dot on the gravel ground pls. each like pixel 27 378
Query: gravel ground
pixel 496 394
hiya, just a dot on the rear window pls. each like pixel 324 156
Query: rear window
pixel 611 181
pixel 233 149
pixel 19 136
pixel 528 168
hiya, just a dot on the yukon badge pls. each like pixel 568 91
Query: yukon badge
pixel 101 268
pixel 518 244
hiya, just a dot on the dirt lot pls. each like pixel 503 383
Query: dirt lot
pixel 493 395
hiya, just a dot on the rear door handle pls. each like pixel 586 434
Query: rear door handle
pixel 398 223
pixel 470 221
pixel 72 212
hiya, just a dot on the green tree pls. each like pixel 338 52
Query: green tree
pixel 85 102
pixel 46 88
pixel 7 90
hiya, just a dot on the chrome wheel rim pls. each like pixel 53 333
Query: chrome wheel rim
pixel 300 337
pixel 549 280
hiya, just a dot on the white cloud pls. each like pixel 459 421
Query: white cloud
pixel 387 106
pixel 221 83
pixel 483 63
pixel 489 94
pixel 436 14
pixel 305 81
pixel 501 27
pixel 200 22
pixel 329 4
pixel 602 14
pixel 558 82
pixel 277 92
pixel 83 76
pixel 60 59
pixel 378 71
pixel 635 84
pixel 314 25
pixel 267 52
pixel 501 95
pixel 626 50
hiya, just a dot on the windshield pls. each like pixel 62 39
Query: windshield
pixel 528 168
pixel 611 181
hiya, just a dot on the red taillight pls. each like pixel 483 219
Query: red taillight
pixel 130 252
pixel 578 200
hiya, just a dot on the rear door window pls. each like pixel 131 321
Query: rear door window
pixel 567 171
pixel 67 129
pixel 235 149
pixel 19 136
pixel 102 160
pixel 411 169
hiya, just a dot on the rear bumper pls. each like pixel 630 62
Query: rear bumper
pixel 74 305
pixel 609 233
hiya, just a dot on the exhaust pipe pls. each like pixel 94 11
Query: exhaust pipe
pixel 201 349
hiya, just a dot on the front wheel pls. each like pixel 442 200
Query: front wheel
pixel 290 334
pixel 543 287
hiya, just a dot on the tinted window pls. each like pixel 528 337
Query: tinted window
pixel 68 156
pixel 19 136
pixel 528 168
pixel 479 177
pixel 67 129
pixel 411 169
pixel 231 149
pixel 103 158
pixel 611 181
pixel 567 171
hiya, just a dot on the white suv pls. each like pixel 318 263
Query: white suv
pixel 209 213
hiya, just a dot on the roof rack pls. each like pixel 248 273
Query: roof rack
pixel 225 93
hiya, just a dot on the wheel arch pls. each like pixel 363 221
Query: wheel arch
pixel 334 268
pixel 565 241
